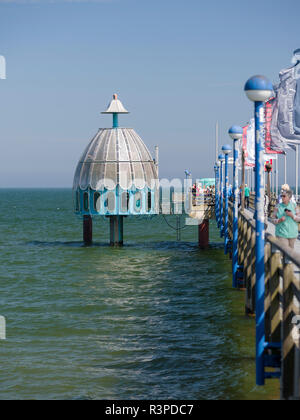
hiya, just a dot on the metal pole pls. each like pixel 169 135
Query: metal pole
pixel 116 230
pixel 243 182
pixel 297 164
pixel 217 194
pixel 235 216
pixel 221 201
pixel 226 204
pixel 285 177
pixel 277 176
pixel 115 120
pixel 217 139
pixel 269 169
pixel 259 248
pixel 156 158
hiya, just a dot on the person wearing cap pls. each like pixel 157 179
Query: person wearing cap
pixel 287 217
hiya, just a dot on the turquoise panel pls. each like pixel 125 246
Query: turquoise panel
pixel 116 202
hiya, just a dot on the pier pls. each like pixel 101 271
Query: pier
pixel 281 317
pixel 265 259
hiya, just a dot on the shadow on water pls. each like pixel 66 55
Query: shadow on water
pixel 73 244
pixel 168 245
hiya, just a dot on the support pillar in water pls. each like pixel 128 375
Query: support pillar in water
pixel 203 234
pixel 87 230
pixel 116 230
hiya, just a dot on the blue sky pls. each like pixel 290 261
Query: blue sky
pixel 178 66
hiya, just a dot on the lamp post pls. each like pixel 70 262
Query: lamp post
pixel 188 191
pixel 226 149
pixel 187 174
pixel 221 225
pixel 259 89
pixel 236 133
pixel 268 167
pixel 217 177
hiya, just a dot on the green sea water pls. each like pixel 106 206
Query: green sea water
pixel 157 319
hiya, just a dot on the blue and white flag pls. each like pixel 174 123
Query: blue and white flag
pixel 286 115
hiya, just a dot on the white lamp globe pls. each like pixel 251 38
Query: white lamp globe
pixel 258 89
pixel 221 158
pixel 226 149
pixel 235 132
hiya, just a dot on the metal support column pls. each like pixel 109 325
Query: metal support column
pixel 87 230
pixel 116 230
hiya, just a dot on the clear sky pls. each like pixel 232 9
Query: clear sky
pixel 177 65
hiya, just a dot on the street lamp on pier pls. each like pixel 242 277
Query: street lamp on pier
pixel 236 133
pixel 226 149
pixel 221 221
pixel 259 89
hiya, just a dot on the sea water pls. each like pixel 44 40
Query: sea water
pixel 156 319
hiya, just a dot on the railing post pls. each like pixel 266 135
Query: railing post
pixel 287 327
pixel 274 290
pixel 248 262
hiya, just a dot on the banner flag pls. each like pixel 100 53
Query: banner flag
pixel 272 146
pixel 285 126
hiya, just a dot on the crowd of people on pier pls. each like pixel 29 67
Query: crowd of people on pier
pixel 202 193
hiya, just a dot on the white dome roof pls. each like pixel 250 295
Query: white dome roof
pixel 116 156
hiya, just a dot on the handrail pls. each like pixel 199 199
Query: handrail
pixel 282 302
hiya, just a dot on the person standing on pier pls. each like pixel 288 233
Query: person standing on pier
pixel 287 217
pixel 247 196
pixel 266 209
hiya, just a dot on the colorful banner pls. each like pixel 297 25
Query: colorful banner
pixel 270 146
pixel 250 144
